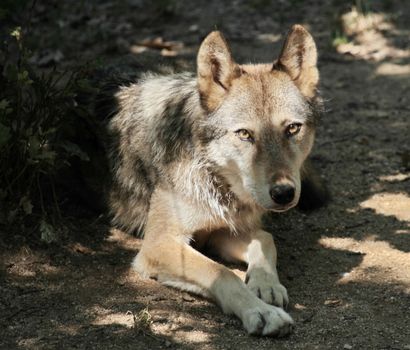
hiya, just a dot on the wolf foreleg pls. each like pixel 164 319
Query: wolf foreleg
pixel 174 262
pixel 258 250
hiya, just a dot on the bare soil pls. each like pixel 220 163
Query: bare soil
pixel 346 266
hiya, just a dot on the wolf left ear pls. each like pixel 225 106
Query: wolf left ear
pixel 216 70
pixel 299 59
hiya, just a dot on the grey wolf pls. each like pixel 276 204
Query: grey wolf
pixel 198 159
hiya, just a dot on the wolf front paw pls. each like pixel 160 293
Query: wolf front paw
pixel 267 287
pixel 267 320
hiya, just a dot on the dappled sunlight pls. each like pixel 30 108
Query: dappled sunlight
pixel 346 266
pixel 29 343
pixel 389 204
pixel 69 329
pixel 21 271
pixel 155 322
pixel 393 69
pixel 381 263
pixel 26 263
pixel 269 38
pixel 395 178
pixel 165 48
pixel 184 328
pixel 193 336
pixel 80 248
pixel 369 41
pixel 107 317
pixel 355 22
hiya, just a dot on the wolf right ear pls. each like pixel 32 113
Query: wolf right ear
pixel 299 59
pixel 216 70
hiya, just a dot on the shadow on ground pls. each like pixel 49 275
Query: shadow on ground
pixel 346 266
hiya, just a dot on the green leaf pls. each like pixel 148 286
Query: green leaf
pixel 16 32
pixel 5 108
pixel 24 78
pixel 22 75
pixel 26 204
pixel 48 233
pixel 4 104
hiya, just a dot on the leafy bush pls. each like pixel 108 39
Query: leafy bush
pixel 38 114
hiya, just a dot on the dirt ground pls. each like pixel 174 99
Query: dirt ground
pixel 346 266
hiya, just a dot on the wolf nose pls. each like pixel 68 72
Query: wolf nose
pixel 282 194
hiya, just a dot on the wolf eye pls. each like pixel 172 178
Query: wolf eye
pixel 293 129
pixel 244 135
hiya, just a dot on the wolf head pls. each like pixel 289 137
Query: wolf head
pixel 264 116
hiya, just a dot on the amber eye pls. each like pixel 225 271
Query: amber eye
pixel 244 135
pixel 293 129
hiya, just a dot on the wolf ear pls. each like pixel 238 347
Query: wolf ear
pixel 299 59
pixel 216 70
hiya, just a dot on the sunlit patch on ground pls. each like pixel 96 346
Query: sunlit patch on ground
pixel 107 317
pixel 381 262
pixel 389 204
pixel 26 263
pixel 393 69
pixel 29 343
pixel 395 178
pixel 194 336
pixel 402 232
pixel 352 292
pixel 69 329
pixel 80 248
pixel 269 37
pixel 153 323
pixel 183 329
pixel 125 320
pixel 368 39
